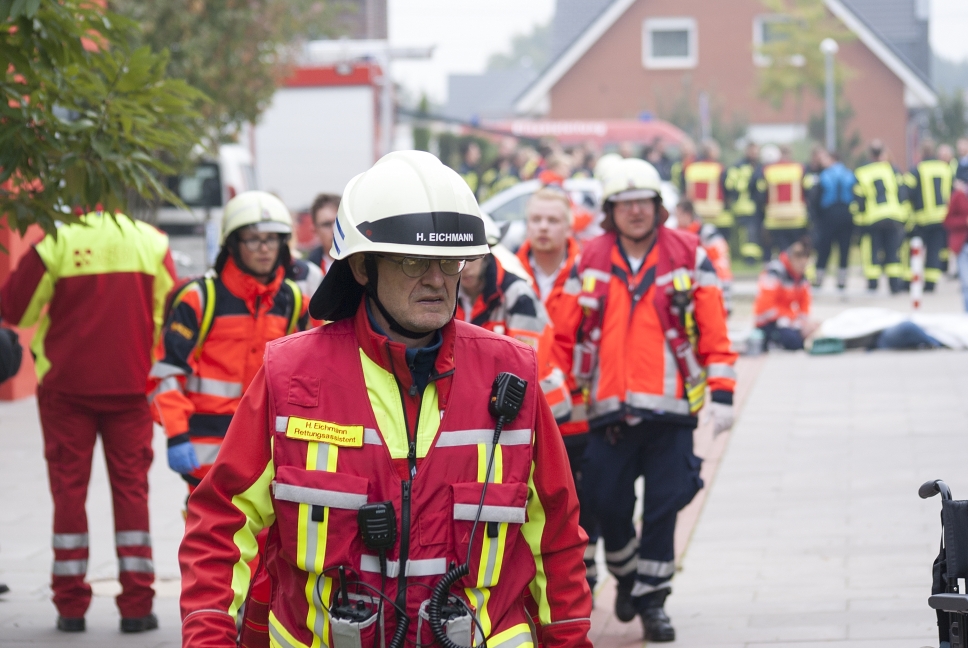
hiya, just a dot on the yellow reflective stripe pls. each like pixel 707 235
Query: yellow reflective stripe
pixel 311 547
pixel 279 637
pixel 42 294
pixel 533 530
pixel 255 504
pixel 479 598
pixel 384 395
pixel 41 361
pixel 297 298
pixel 517 636
pixel 208 316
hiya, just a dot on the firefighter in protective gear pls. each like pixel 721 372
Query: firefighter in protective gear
pixel 929 184
pixel 386 411
pixel 217 329
pixel 784 206
pixel 717 249
pixel 647 335
pixel 880 209
pixel 740 187
pixel 704 188
pixel 91 373
pixel 782 307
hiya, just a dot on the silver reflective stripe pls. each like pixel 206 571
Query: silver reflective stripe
pixel 132 539
pixel 212 387
pixel 371 437
pixel 622 570
pixel 369 563
pixel 670 379
pixel 527 323
pixel 519 639
pixel 624 553
pixel 604 406
pixel 69 540
pixel 317 496
pixel 658 403
pixel 164 370
pixel 136 564
pixel 427 567
pixel 707 278
pixel 641 589
pixel 572 286
pixel 282 422
pixel 717 370
pixel 514 514
pixel 554 380
pixel 278 637
pixel 662 280
pixel 475 437
pixel 169 384
pixel 590 552
pixel 69 567
pixel 656 568
pixel 561 410
pixel 206 453
pixel 597 274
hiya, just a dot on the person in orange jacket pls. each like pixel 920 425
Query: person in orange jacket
pixel 217 329
pixel 782 306
pixel 549 254
pixel 717 248
pixel 648 336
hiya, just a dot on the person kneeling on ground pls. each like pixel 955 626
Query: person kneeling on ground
pixel 782 306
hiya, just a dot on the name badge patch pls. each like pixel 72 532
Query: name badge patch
pixel 348 436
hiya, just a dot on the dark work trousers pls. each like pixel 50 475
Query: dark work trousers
pixel 834 226
pixel 881 252
pixel 576 445
pixel 935 240
pixel 749 237
pixel 780 239
pixel 615 458
pixel 71 424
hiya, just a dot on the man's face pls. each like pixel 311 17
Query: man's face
pixel 259 251
pixel 323 221
pixel 472 277
pixel 634 219
pixel 798 258
pixel 422 304
pixel 684 217
pixel 547 225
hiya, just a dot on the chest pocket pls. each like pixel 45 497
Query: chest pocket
pixel 503 513
pixel 316 516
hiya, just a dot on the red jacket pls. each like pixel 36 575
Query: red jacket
pixel 104 283
pixel 956 222
pixel 783 296
pixel 311 445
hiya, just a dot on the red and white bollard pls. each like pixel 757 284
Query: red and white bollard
pixel 917 272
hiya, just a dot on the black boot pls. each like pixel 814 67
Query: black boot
pixel 624 607
pixel 71 624
pixel 3 588
pixel 656 625
pixel 139 624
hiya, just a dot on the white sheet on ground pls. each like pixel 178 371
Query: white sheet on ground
pixel 951 329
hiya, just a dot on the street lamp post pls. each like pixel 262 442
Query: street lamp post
pixel 829 47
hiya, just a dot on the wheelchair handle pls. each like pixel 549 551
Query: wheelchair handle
pixel 932 488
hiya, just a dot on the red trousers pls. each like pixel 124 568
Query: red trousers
pixel 71 424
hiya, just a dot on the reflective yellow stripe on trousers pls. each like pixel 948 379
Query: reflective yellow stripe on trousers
pixel 311 548
pixel 492 549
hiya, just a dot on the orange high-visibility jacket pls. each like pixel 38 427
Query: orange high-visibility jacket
pixel 195 391
pixel 782 297
pixel 509 306
pixel 635 373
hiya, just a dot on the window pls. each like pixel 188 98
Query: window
pixel 670 43
pixel 771 29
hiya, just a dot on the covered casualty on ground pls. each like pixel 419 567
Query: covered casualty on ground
pixel 883 328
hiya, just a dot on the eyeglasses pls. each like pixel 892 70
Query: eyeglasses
pixel 627 205
pixel 416 267
pixel 253 244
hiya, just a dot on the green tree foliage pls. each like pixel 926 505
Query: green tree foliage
pixel 86 115
pixel 235 51
pixel 795 63
pixel 683 111
pixel 527 51
pixel 421 134
pixel 947 121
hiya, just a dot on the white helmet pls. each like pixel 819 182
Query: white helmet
pixel 258 208
pixel 631 179
pixel 408 204
pixel 605 165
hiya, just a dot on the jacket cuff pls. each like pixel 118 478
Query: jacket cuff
pixel 178 439
pixel 719 396
pixel 566 634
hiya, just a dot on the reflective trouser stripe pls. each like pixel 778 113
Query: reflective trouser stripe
pixel 656 568
pixel 641 589
pixel 69 567
pixel 621 562
pixel 69 540
pixel 311 549
pixel 132 539
pixel 135 564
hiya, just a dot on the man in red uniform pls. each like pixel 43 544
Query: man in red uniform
pixel 782 307
pixel 104 282
pixel 648 335
pixel 372 447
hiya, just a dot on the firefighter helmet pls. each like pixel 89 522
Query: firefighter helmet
pixel 631 179
pixel 259 208
pixel 605 165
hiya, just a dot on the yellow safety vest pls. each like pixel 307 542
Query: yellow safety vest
pixel 785 206
pixel 877 194
pixel 930 191
pixel 706 194
pixel 738 179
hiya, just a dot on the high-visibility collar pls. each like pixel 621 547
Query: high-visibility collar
pixel 248 288
pixel 785 259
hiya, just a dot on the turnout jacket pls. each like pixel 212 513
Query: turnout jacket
pixel 104 282
pixel 632 371
pixel 333 421
pixel 782 296
pixel 195 386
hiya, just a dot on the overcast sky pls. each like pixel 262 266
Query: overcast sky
pixel 467 32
